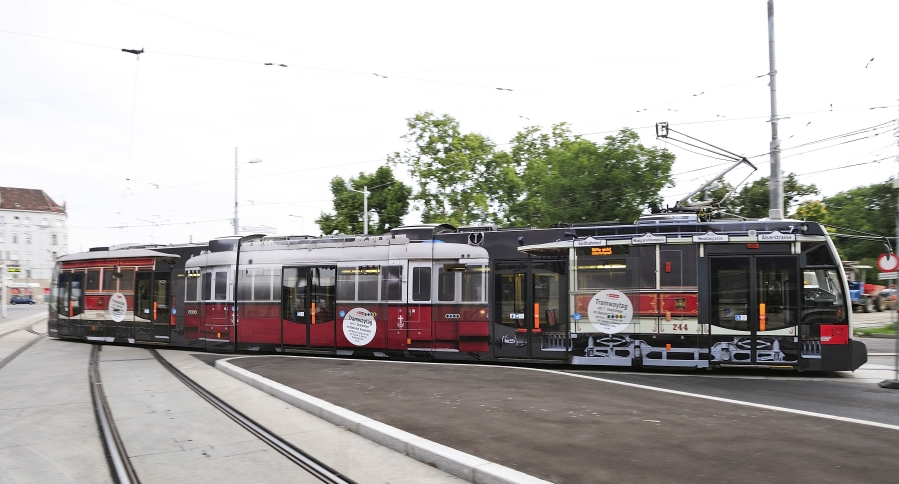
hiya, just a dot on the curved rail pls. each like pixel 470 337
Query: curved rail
pixel 115 449
pixel 23 348
pixel 312 465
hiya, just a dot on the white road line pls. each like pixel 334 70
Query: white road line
pixel 725 400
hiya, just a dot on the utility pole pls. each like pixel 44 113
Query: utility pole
pixel 365 194
pixel 894 383
pixel 775 183
pixel 235 191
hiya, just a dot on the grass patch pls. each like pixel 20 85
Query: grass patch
pixel 888 329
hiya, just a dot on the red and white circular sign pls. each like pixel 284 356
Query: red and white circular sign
pixel 888 265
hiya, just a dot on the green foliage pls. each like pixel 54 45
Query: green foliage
pixel 583 181
pixel 388 203
pixel 811 210
pixel 867 210
pixel 459 175
pixel 753 200
pixel 544 178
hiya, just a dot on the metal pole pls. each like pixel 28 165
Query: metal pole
pixel 775 184
pixel 235 190
pixel 894 383
pixel 3 295
pixel 365 210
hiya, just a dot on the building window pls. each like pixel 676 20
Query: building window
pixel 44 221
pixel 26 221
pixel 27 238
pixel 15 238
pixel 2 238
pixel 13 255
pixel 54 239
pixel 2 220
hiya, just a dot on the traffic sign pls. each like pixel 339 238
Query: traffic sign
pixel 888 262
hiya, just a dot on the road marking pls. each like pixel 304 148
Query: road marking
pixel 724 400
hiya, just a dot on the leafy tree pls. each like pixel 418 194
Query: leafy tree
pixel 388 203
pixel 753 200
pixel 583 181
pixel 867 210
pixel 458 174
pixel 811 210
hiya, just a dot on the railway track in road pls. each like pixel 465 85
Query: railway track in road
pixel 123 470
pixel 25 347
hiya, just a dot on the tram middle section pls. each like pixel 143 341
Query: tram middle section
pixel 668 291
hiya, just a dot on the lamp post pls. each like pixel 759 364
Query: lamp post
pixel 364 193
pixel 236 226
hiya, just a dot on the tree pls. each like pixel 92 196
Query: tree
pixel 811 210
pixel 457 173
pixel 388 203
pixel 753 200
pixel 868 210
pixel 582 181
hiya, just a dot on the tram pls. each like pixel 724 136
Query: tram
pixel 668 291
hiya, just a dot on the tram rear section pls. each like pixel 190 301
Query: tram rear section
pixel 669 291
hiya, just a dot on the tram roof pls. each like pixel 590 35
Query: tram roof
pixel 115 254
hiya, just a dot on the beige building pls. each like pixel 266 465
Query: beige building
pixel 33 234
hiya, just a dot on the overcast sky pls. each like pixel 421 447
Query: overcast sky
pixel 143 149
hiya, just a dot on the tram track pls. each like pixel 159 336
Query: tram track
pixel 121 467
pixel 296 455
pixel 25 347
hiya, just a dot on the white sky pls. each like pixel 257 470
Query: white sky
pixel 100 130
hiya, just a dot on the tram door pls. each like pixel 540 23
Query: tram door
pixel 753 295
pixel 152 315
pixel 309 306
pixel 530 310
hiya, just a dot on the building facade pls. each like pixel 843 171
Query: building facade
pixel 33 233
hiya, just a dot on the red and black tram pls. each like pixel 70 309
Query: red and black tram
pixel 668 291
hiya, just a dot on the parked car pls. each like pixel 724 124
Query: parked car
pixel 21 300
pixel 886 299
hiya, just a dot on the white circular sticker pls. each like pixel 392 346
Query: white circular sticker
pixel 610 311
pixel 118 306
pixel 359 326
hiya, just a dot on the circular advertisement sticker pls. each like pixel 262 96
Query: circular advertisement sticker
pixel 610 311
pixel 359 326
pixel 118 306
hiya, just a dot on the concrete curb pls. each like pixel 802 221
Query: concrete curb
pixel 462 465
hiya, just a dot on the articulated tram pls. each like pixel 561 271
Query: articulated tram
pixel 669 291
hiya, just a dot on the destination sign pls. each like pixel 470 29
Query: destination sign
pixel 776 236
pixel 590 242
pixel 711 237
pixel 649 239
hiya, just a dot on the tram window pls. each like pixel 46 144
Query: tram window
pixel 391 283
pixel 93 280
pixel 276 284
pixel 207 286
pixel 126 282
pixel 421 283
pixel 262 285
pixel 473 284
pixel 603 274
pixel 62 293
pixel 446 285
pixel 817 254
pixel 190 293
pixel 346 283
pixel 368 283
pixel 678 266
pixel 76 294
pixel 109 280
pixel 293 304
pixel 245 284
pixel 221 285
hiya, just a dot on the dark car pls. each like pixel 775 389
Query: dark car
pixel 21 300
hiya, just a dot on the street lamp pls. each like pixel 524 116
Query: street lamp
pixel 364 193
pixel 236 227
